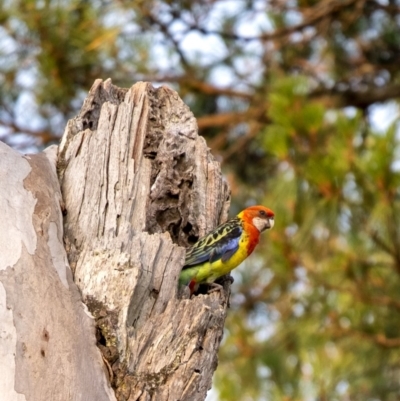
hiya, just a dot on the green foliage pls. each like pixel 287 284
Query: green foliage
pixel 329 326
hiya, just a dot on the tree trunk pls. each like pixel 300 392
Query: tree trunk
pixel 47 339
pixel 138 184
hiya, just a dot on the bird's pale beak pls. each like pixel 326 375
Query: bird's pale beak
pixel 270 223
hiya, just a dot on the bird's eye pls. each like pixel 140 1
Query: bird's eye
pixel 262 213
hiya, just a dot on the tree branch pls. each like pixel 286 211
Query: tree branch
pixel 321 10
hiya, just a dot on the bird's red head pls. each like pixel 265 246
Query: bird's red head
pixel 259 216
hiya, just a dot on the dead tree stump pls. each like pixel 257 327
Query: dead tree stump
pixel 138 185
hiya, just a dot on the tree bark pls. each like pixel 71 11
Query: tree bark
pixel 47 339
pixel 138 185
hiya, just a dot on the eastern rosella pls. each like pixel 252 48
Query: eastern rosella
pixel 225 248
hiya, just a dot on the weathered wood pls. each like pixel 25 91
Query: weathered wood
pixel 138 184
pixel 47 344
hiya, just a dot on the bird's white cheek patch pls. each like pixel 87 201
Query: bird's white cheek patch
pixel 262 224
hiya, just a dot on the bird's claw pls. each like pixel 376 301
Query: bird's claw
pixel 215 287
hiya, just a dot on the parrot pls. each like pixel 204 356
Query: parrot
pixel 223 249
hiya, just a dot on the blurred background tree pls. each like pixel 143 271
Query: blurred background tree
pixel 299 101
